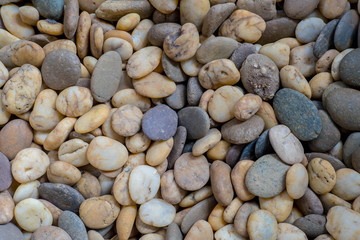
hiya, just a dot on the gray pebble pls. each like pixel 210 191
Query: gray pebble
pixel 178 147
pixel 177 99
pixel 72 224
pixel 195 120
pixel 194 91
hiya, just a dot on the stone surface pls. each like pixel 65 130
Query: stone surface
pixel 263 145
pixel 297 181
pixel 157 213
pixel 341 216
pixel 262 225
pixel 158 32
pixel 215 48
pixel 309 203
pixel 325 41
pixel 312 225
pixel 349 73
pixel 10 231
pixel 277 29
pixel 177 99
pixel 335 162
pixel 309 29
pixel 347 184
pixel 195 120
pixel 5 173
pixel 73 225
pixel 215 17
pixel 346 30
pixel 52 9
pixel 194 91
pixel 249 151
pixel 241 53
pixel 299 10
pixel 52 232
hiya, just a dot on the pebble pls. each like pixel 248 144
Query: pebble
pixel 233 155
pixel 143 62
pixel 221 47
pixel 277 52
pixel 262 225
pixel 249 151
pixel 332 9
pixel 325 41
pixel 50 9
pixel 71 18
pixel 62 196
pixel 157 213
pixel 200 230
pixel 215 17
pixel 348 72
pixel 56 233
pixel 207 142
pixel 297 112
pixel 309 29
pixel 322 177
pixel 347 182
pixel 10 230
pixel 12 21
pixel 72 224
pixel 68 99
pixel 227 232
pixel 173 69
pixel 24 52
pixel 154 85
pixel 160 123
pixel 287 231
pixel 265 9
pixel 286 145
pixel 241 53
pixel 221 182
pixel 330 200
pixel 345 217
pixel 266 177
pixel 173 232
pixel 60 69
pixel 263 145
pixel 194 11
pixel 309 203
pixel 297 181
pixel 130 96
pixel 126 120
pixel 280 206
pixel 346 30
pixel 335 162
pixel 312 225
pixel 303 59
pixel 6 208
pixel 63 172
pixel 177 99
pixel 260 75
pixel 325 61
pixel 299 10
pixel 195 120
pixel 194 91
pixel 277 29
pixel 5 172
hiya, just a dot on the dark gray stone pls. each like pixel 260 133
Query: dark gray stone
pixel 5 172
pixel 215 48
pixel 296 111
pixel 277 29
pixel 346 30
pixel 178 147
pixel 349 68
pixel 177 99
pixel 263 145
pixel 312 225
pixel 173 69
pixel 160 123
pixel 194 91
pixel 309 203
pixel 325 40
pixel 72 224
pixel 329 89
pixel 248 153
pixel 195 120
pixel 188 147
pixel 350 145
pixel 233 155
pixel 241 52
pixel 336 163
pixel 158 32
pixel 10 231
pixel 52 9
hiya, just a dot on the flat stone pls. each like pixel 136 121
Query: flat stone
pixel 61 195
pixel 194 91
pixel 177 99
pixel 160 123
pixel 266 177
pixel 336 163
pixel 195 120
pixel 157 213
pixel 312 225
pixel 349 71
pixel 309 29
pixel 346 30
pixel 173 69
pixel 52 9
pixel 106 76
pixel 5 172
pixel 325 40
pixel 241 52
pixel 296 111
pixel 178 147
pixel 215 48
pixel 233 155
pixel 10 231
pixel 277 29
pixel 263 145
pixel 72 224
pixel 248 153
pixel 309 203
pixel 215 17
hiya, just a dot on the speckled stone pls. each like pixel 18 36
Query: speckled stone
pixel 61 195
pixel 72 224
pixel 309 203
pixel 346 30
pixel 325 40
pixel 10 231
pixel 277 29
pixel 160 123
pixel 52 9
pixel 194 91
pixel 296 111
pixel 263 145
pixel 195 120
pixel 336 163
pixel 248 153
pixel 178 147
pixel 312 225
pixel 241 52
pixel 349 69
pixel 177 99
pixel 173 69
pixel 266 177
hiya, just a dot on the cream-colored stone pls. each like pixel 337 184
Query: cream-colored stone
pixel 288 231
pixel 139 34
pixel 50 27
pixel 292 78
pixel 128 22
pixel 11 18
pixel 191 67
pixel 157 213
pixel 6 207
pixel 322 176
pixel 342 223
pixel 347 184
pixel 280 206
pixel 63 172
pixel 93 119
pixel 296 181
pixel 58 135
pixel 27 190
pixel 137 143
pixel 143 62
pixel 130 96
pixel 231 210
pixel 278 52
pixel 154 85
pixel 262 225
pixel 319 83
pixel 159 151
pixel 121 46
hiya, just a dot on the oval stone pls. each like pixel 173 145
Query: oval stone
pixel 72 224
pixel 52 9
pixel 5 173
pixel 10 231
pixel 195 120
pixel 349 71
pixel 172 69
pixel 312 225
pixel 309 29
pixel 157 213
pixel 262 225
pixel 215 48
pixel 296 111
pixel 309 203
pixel 106 76
pixel 325 39
pixel 347 219
pixel 266 177
pixel 179 143
pixel 346 30
pixel 263 145
pixel 299 9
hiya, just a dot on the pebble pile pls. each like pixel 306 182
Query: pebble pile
pixel 179 119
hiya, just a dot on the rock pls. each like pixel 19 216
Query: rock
pixel 227 232
pixel 312 225
pixel 71 18
pixel 260 76
pixel 277 29
pixel 262 225
pixel 303 59
pixel 221 47
pixel 179 143
pixel 241 53
pixel 263 145
pixel 325 61
pixel 297 180
pixel 238 132
pixel 194 91
pixel 349 74
pixel 221 183
pixel 12 21
pixel 158 32
pixel 5 172
pixel 291 77
pixel 52 232
pixel 309 203
pixel 286 145
pixel 195 120
pixel 49 8
pixel 266 177
pixel 62 196
pixel 265 9
pixel 173 232
pixel 249 151
pixel 233 155
pixel 173 69
pixel 336 163
pixel 280 206
pixel 278 52
pixel 341 216
pixel 160 123
pixel 332 9
pixel 215 17
pixel 299 10
pixel 177 99
pixel 157 213
pixel 200 230
pixel 322 177
pixel 192 11
pixel 330 200
pixel 10 231
pixel 7 207
pixel 347 184
pixel 351 144
pixel 289 231
pixel 346 30
pixel 297 112
pixel 73 225
pixel 309 29
pixel 325 41
pixel 106 76
pixel 154 85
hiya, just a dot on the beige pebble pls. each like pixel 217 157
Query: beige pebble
pixel 325 61
pixel 203 144
pixel 347 184
pixel 93 119
pixel 63 172
pixel 194 11
pixel 154 85
pixel 83 34
pixel 179 217
pixel 191 67
pixel 290 41
pixel 29 164
pixel 89 63
pixel 227 232
pixel 6 38
pixel 335 66
pixel 7 206
pixel 247 106
pixel 27 52
pixel 157 213
pixel 238 175
pixel 106 154
pixel 105 184
pixel 67 103
pixel 88 185
pixel 262 225
pixel 143 62
pixel 215 219
pixel 243 25
pixel 219 151
pixel 241 218
pixel 292 78
pixel 31 214
pixel 126 120
pixel 11 18
pixel 278 52
pixel 280 206
pixel 125 221
pixel 39 137
pixel 60 44
pixel 4 74
pixel 50 27
pixel 296 181
pixel 152 236
pixel 96 40
pixel 195 197
pixel 332 8
pixel 27 190
pixel 319 83
pixel 288 231
pixel 342 223
pixel 330 200
pixel 119 34
pixel 159 151
pixel 139 34
pixel 58 135
pixel 121 46
pixel 322 176
pixel 221 182
pixel 99 212
pixel 94 235
pixel 201 230
pixel 205 98
pixel 130 96
pixel 221 105
pixel 137 143
pixel 4 115
pixel 266 112
pixel 231 210
pixel 303 59
pixel 170 191
pixel 74 152
pixel 108 131
pixel 143 227
pixel 128 22
pixel 324 237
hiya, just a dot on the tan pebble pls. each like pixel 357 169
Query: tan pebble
pixel 262 225
pixel 58 135
pixel 243 25
pixel 332 8
pixel 294 215
pixel 195 197
pixel 194 11
pixel 6 207
pixel 67 103
pixel 157 213
pixel 231 210
pixel 11 18
pixel 4 74
pixel 137 143
pixel 93 119
pixel 266 112
pixel 241 218
pixel 96 40
pixel 319 83
pixel 221 105
pixel 6 38
pixel 203 144
pixel 170 191
pixel 238 175
pixel 88 185
pixel 29 15
pixel 4 115
pixel 139 34
pixel 191 67
pixel 221 183
pixel 165 6
pixel 296 181
pixel 290 41
pixel 27 190
pixel 342 223
pixel 39 137
pixel 154 85
pixel 158 152
pixel 347 184
pixel 74 152
pixel 219 151
pixel 108 131
pixel 325 61
pixel 227 232
pixel 205 98
pixel 126 120
pixel 303 59
pixel 280 206
pixel 121 46
pixel 44 116
pixel 60 44
pixel 83 34
pixel 94 235
pixel 143 62
pixel 119 34
pixel 89 63
pixel 31 214
pixel 27 52
pixel 247 106
pixel 324 237
pixel 71 18
pixel 322 176
pixel 201 230
pixel 330 200
pixel 112 174
pixel 181 45
pixel 278 52
pixel 63 172
pixel 287 231
pixel 128 22
pixel 125 221
pixel 215 219
pixel 292 78
pixel 130 96
pixel 106 184
pixel 50 27
pixel 218 73
pixel 335 66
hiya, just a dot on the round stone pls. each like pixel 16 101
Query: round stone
pixel 266 177
pixel 157 213
pixel 52 9
pixel 280 206
pixel 61 69
pixel 346 30
pixel 349 72
pixel 72 224
pixel 5 172
pixel 262 225
pixel 160 123
pixel 195 120
pixel 177 100
pixel 347 184
pixel 289 231
pixel 50 232
pixel 312 225
pixel 309 29
pixel 297 112
pixel 144 183
pixel 10 231
pixel 347 218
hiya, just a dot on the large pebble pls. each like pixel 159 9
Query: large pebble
pixel 172 69
pixel 154 85
pixel 143 62
pixel 349 74
pixel 72 224
pixel 241 217
pixel 238 175
pixel 221 182
pixel 309 29
pixel 278 52
pixel 52 232
pixel 67 102
pixel 335 162
pixel 309 203
pixel 299 10
pixel 216 16
pixel 221 47
pixel 266 177
pixel 277 29
pixel 241 52
pixel 262 225
pixel 312 225
pixel 12 21
pixel 160 123
pixel 297 180
pixel 52 9
pixel 348 219
pixel 10 231
pixel 332 8
pixel 6 207
pixel 194 91
pixel 288 231
pixel 265 9
pixel 280 206
pixel 297 112
pixel 322 177
pixel 325 39
pixel 157 213
pixel 347 184
pixel 346 30
pixel 227 232
pixel 5 173
pixel 194 11
pixel 201 230
pixel 302 57
pixel 195 120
